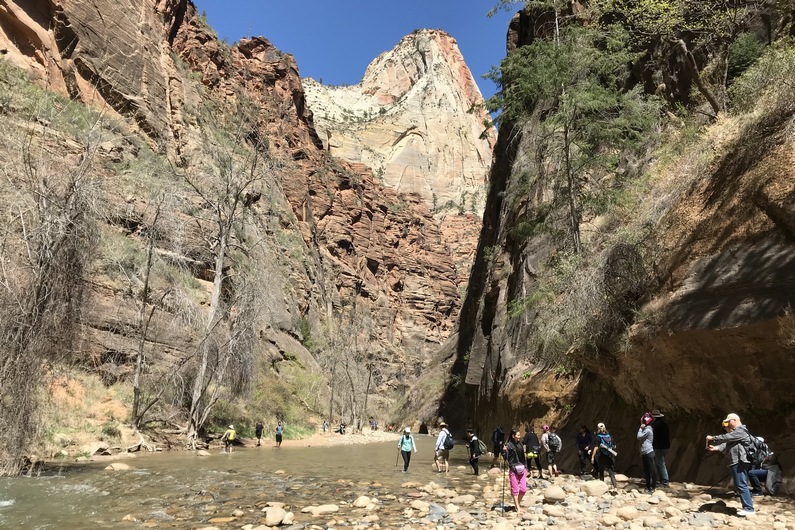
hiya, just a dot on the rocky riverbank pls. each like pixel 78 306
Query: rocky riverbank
pixel 459 500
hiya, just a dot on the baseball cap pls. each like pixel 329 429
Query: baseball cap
pixel 732 416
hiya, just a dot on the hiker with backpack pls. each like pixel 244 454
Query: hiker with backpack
pixel 604 455
pixel 533 450
pixel 552 444
pixel 764 467
pixel 475 450
pixel 444 442
pixel 733 444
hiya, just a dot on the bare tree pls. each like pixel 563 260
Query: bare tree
pixel 45 248
pixel 225 191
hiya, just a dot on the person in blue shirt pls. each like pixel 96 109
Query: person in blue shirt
pixel 279 431
pixel 405 445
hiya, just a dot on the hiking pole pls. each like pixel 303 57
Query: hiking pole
pixel 504 470
pixel 397 456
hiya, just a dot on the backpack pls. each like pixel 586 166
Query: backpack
pixel 448 442
pixel 756 450
pixel 553 440
pixel 605 444
pixel 482 449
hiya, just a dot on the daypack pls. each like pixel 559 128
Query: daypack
pixel 482 449
pixel 756 450
pixel 448 442
pixel 554 443
pixel 606 444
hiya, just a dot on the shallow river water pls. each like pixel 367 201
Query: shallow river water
pixel 182 490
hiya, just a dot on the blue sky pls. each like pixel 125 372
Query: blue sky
pixel 335 40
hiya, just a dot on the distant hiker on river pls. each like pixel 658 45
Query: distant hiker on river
pixel 604 455
pixel 661 443
pixel 584 443
pixel 258 432
pixel 552 444
pixel 532 448
pixel 515 458
pixel 279 432
pixel 442 449
pixel 228 438
pixel 733 444
pixel 405 445
pixel 646 438
pixel 473 447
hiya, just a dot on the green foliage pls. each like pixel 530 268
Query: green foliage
pixel 743 52
pixel 768 82
pixel 111 430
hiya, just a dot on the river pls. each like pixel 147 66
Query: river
pixel 182 490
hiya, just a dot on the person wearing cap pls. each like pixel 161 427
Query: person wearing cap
pixel 646 439
pixel 441 455
pixel 661 443
pixel 473 447
pixel 732 444
pixel 228 438
pixel 604 450
pixel 552 467
pixel 584 441
pixel 405 445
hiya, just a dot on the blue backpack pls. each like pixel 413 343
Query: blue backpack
pixel 605 444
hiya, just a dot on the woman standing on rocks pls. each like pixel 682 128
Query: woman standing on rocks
pixel 604 450
pixel 515 457
pixel 646 439
pixel 405 445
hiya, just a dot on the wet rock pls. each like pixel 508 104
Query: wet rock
pixel 118 466
pixel 361 502
pixel 419 505
pixel 202 452
pixel 274 515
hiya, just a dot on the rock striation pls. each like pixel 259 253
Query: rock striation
pixel 416 119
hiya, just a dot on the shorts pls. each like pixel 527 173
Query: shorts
pixel 551 457
pixel 442 454
pixel 278 437
pixel 518 482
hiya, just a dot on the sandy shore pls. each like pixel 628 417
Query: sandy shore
pixel 331 439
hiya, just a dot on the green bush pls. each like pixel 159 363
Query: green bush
pixel 743 52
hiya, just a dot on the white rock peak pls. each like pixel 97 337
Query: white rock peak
pixel 417 119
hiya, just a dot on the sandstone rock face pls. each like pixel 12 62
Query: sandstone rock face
pixel 718 332
pixel 339 243
pixel 416 118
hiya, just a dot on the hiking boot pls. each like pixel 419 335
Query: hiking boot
pixel 745 513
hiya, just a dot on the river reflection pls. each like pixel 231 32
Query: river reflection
pixel 182 490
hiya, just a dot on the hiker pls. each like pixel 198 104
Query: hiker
pixel 661 444
pixel 646 439
pixel 551 443
pixel 474 450
pixel 405 445
pixel 258 432
pixel 325 426
pixel 441 449
pixel 533 450
pixel 769 471
pixel 279 431
pixel 732 444
pixel 498 439
pixel 514 454
pixel 584 441
pixel 603 455
pixel 228 438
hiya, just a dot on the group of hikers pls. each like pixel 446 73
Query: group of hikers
pixel 750 460
pixel 230 435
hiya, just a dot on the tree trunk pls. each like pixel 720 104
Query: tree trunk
pixel 693 69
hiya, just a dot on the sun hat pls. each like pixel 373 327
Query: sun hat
pixel 231 426
pixel 442 424
pixel 732 416
pixel 657 414
pixel 545 427
pixel 406 430
pixel 601 426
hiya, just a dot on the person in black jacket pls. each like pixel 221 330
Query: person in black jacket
pixel 498 438
pixel 661 443
pixel 474 450
pixel 584 445
pixel 533 450
pixel 515 458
